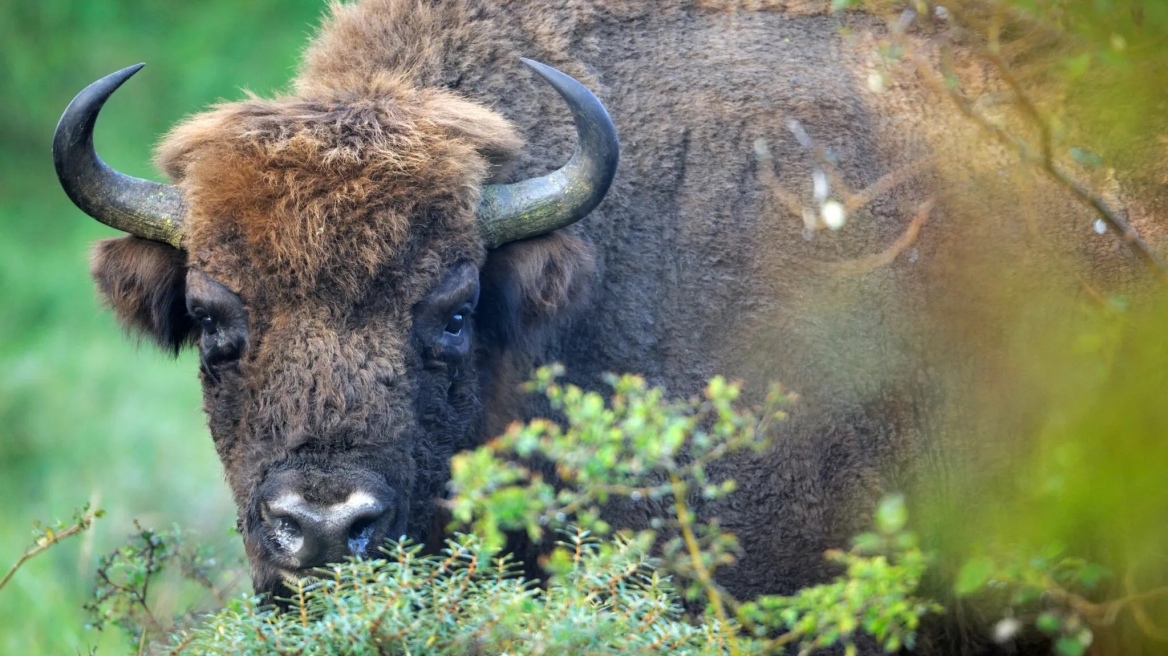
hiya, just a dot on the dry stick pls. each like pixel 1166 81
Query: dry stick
pixel 766 174
pixel 49 540
pixel 1113 220
pixel 887 183
pixel 180 647
pixel 1105 613
pixel 870 263
pixel 1135 601
pixel 852 201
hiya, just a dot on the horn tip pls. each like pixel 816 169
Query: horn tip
pixel 544 71
pixel 128 72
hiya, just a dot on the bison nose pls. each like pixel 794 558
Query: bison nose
pixel 306 535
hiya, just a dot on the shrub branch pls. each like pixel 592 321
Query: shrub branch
pixel 49 538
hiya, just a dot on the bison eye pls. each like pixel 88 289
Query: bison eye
pixel 208 324
pixel 454 326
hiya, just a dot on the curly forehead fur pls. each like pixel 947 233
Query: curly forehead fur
pixel 328 191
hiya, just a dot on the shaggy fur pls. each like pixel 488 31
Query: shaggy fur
pixel 333 213
pixel 145 282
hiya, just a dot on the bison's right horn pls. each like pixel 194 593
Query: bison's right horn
pixel 140 207
pixel 537 206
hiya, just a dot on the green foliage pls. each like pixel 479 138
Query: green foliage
pixel 606 592
pixel 1115 71
pixel 1039 589
pixel 126 577
pixel 640 446
pixel 605 600
pixel 875 596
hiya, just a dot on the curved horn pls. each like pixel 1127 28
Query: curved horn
pixel 536 206
pixel 140 207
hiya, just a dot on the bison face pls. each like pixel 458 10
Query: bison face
pixel 335 428
pixel 350 280
pixel 335 425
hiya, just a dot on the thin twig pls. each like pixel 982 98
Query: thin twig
pixel 887 183
pixel 770 180
pixel 1023 150
pixel 853 202
pixel 48 540
pixel 1135 600
pixel 863 265
pixel 695 553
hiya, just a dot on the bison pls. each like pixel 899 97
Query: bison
pixel 370 263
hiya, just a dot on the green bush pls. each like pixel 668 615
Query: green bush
pixel 606 592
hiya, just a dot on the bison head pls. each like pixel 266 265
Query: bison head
pixel 346 270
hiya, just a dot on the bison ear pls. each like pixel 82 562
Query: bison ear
pixel 145 284
pixel 529 286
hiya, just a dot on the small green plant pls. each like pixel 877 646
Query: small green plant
pixel 644 448
pixel 46 537
pixel 639 446
pixel 129 579
pixel 875 596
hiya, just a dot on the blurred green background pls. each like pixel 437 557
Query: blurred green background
pixel 85 413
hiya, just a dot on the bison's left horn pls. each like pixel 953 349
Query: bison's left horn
pixel 140 207
pixel 536 206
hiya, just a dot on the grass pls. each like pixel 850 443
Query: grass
pixel 85 413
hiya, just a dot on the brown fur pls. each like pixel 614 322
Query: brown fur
pixel 145 283
pixel 534 283
pixel 335 211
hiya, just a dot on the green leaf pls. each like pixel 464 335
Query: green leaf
pixel 973 575
pixel 1048 622
pixel 1068 646
pixel 1090 575
pixel 891 515
pixel 868 543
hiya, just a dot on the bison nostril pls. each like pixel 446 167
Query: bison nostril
pixel 285 531
pixel 286 526
pixel 360 533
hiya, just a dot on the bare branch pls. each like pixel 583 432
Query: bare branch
pixel 1135 600
pixel 1044 163
pixel 870 263
pixel 852 201
pixel 768 178
pixel 887 183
